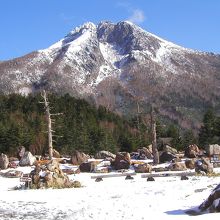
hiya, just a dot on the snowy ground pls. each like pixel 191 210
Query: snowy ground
pixel 113 198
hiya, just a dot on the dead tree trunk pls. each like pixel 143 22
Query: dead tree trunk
pixel 49 125
pixel 138 120
pixel 154 138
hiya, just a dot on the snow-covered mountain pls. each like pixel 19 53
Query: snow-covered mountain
pixel 118 65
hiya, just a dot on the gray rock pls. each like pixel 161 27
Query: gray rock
pixel 143 168
pixel 78 158
pixel 213 149
pixel 166 157
pixel 105 155
pixel 4 161
pixel 203 165
pixel 21 152
pixel 27 160
pixel 88 166
pixel 169 149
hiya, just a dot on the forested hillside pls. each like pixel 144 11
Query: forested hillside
pixel 84 127
pixel 81 126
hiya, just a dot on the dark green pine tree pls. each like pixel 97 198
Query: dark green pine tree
pixel 174 133
pixel 188 138
pixel 207 131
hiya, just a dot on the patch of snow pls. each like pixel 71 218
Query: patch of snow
pixel 166 198
pixel 25 91
pixel 113 61
pixel 111 54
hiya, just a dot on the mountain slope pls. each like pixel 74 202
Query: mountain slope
pixel 118 65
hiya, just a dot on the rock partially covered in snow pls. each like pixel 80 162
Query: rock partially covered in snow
pixel 203 165
pixel 143 168
pixel 177 166
pixel 105 155
pixel 212 203
pixel 27 160
pixel 51 176
pixel 169 149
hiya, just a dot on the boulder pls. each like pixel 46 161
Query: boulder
pixel 88 166
pixel 190 164
pixel 169 149
pixel 192 151
pixel 122 161
pixel 178 166
pixel 56 154
pixel 50 176
pixel 212 203
pixel 4 161
pixel 145 153
pixel 78 158
pixel 99 179
pixel 142 168
pixel 203 165
pixel 184 177
pixel 213 149
pixel 105 155
pixel 129 177
pixel 166 157
pixel 20 152
pixel 27 160
pixel 150 179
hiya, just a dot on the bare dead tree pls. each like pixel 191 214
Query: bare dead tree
pixel 138 119
pixel 154 137
pixel 49 124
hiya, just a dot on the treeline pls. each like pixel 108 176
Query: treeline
pixel 81 126
pixel 210 130
pixel 85 127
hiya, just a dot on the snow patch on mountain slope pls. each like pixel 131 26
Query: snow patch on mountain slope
pixel 113 62
pixel 74 44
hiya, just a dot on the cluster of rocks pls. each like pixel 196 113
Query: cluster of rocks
pixel 50 176
pixel 123 160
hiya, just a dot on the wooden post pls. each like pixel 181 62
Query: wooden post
pixel 154 138
pixel 49 125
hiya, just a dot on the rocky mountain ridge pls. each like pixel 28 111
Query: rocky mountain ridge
pixel 118 66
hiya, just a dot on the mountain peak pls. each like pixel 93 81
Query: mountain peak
pixel 114 63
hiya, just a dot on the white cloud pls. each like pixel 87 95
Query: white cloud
pixel 137 16
pixel 66 19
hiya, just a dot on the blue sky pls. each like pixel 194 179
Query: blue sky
pixel 28 25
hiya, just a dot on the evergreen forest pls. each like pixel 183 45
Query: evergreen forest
pixel 87 128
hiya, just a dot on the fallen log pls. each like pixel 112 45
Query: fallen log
pixel 112 175
pixel 168 174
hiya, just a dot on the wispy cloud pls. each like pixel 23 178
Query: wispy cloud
pixel 137 16
pixel 67 19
